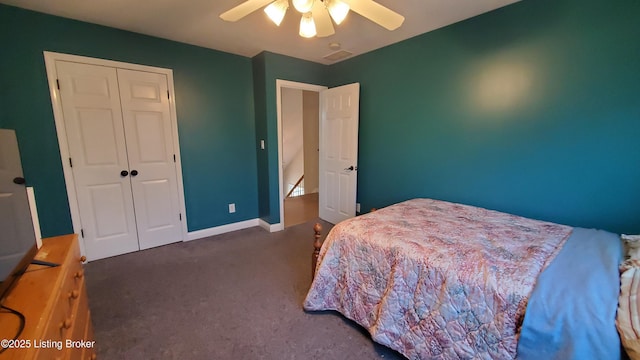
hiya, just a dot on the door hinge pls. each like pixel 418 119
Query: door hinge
pixel 82 233
pixel 174 157
pixel 58 84
pixel 168 95
pixel 70 162
pixel 180 216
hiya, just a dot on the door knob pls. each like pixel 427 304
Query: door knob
pixel 124 173
pixel 134 172
pixel 19 180
pixel 350 168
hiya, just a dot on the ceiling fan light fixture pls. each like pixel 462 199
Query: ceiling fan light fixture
pixel 307 26
pixel 303 6
pixel 338 10
pixel 276 10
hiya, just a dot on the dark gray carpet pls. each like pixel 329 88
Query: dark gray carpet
pixel 233 296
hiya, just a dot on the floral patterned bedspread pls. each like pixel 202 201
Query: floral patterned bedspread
pixel 433 279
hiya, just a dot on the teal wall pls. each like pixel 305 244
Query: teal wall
pixel 269 67
pixel 214 98
pixel 532 109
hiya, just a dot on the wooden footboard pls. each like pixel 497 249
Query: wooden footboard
pixel 317 244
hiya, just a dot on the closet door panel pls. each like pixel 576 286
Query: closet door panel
pixel 147 124
pixel 95 134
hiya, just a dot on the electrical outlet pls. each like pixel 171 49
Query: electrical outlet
pixel 357 207
pixel 232 208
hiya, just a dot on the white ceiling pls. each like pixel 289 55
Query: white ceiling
pixel 197 22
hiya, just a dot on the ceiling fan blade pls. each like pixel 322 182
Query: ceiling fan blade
pixel 243 9
pixel 377 13
pixel 324 26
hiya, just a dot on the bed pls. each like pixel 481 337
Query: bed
pixel 438 280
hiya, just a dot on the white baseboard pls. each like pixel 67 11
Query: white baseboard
pixel 271 227
pixel 199 234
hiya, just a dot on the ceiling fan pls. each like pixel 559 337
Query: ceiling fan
pixel 317 14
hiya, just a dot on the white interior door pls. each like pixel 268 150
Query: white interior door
pixel 147 124
pixel 95 135
pixel 339 152
pixel 15 216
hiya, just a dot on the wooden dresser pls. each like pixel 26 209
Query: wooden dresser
pixel 54 303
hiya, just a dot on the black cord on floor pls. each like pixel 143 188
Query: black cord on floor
pixel 22 322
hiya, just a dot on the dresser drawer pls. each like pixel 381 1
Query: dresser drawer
pixel 54 302
pixel 51 345
pixel 69 292
pixel 89 353
pixel 79 341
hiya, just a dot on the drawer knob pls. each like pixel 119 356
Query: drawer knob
pixel 65 324
pixel 74 294
pixel 79 274
pixel 83 258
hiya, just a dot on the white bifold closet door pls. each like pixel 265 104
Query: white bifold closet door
pixel 119 134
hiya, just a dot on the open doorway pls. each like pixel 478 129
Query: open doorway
pixel 298 131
